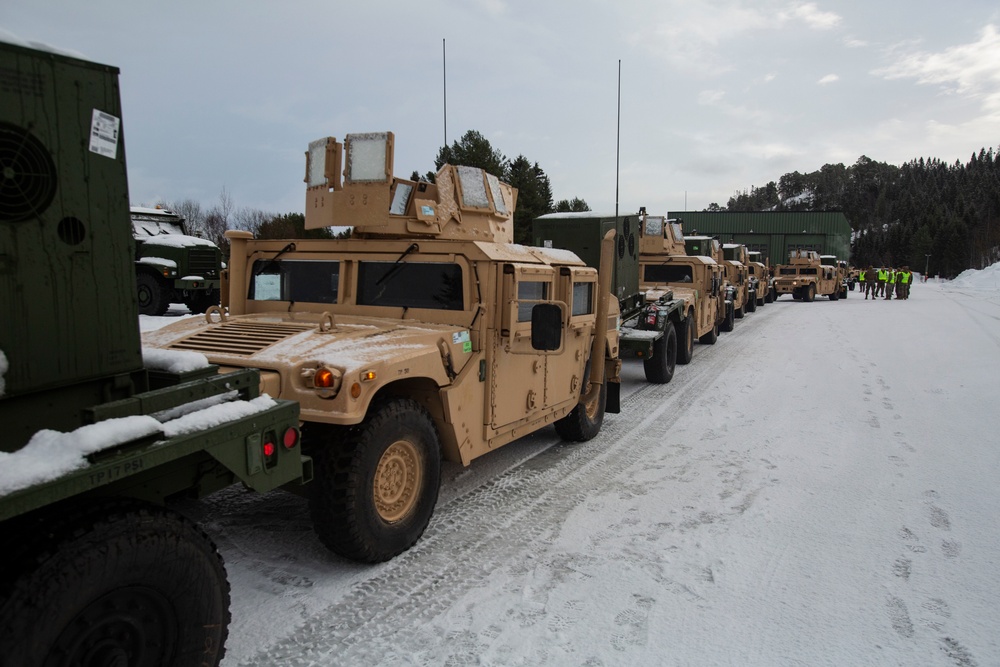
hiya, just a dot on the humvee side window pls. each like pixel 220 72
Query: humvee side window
pixel 667 273
pixel 411 285
pixel 294 280
pixel 529 291
pixel 583 298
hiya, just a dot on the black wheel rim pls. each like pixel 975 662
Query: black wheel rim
pixel 132 626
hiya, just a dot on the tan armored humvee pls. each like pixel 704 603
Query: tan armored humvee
pixel 425 335
pixel 738 275
pixel 710 246
pixel 805 277
pixel 664 265
pixel 760 277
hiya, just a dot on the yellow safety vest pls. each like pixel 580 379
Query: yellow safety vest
pixel 861 276
pixel 883 275
pixel 892 277
pixel 905 277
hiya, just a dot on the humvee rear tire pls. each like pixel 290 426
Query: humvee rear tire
pixel 711 337
pixel 809 294
pixel 376 483
pixel 741 311
pixel 151 294
pixel 685 351
pixel 729 323
pixel 835 295
pixel 752 304
pixel 585 421
pixel 660 367
pixel 115 583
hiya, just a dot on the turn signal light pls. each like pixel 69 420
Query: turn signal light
pixel 368 376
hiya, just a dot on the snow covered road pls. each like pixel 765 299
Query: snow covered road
pixel 818 488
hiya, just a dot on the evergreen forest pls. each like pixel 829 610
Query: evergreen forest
pixel 925 213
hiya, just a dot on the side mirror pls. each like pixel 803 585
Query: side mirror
pixel 546 327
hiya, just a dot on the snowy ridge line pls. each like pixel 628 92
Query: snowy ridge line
pixel 469 539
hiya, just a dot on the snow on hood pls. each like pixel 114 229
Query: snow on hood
pixel 172 361
pixel 177 241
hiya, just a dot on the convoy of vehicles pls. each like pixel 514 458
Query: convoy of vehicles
pixel 172 266
pixel 345 370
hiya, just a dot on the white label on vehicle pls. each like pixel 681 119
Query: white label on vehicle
pixel 104 129
pixel 460 337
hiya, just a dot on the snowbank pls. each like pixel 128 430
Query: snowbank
pixel 986 280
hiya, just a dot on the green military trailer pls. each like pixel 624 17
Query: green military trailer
pixel 100 435
pixel 172 265
pixel 647 324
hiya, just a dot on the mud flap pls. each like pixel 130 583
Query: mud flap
pixel 613 403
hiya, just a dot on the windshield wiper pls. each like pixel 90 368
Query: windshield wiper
pixel 396 265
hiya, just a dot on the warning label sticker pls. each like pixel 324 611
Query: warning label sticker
pixel 104 129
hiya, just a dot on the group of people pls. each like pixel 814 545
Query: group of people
pixel 886 281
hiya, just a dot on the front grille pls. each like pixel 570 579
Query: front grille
pixel 240 338
pixel 202 262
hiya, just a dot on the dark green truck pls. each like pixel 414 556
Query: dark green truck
pixel 97 568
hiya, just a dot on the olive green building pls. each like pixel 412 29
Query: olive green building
pixel 774 234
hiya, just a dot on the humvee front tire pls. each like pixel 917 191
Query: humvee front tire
pixel 151 294
pixel 686 350
pixel 115 583
pixel 585 421
pixel 809 293
pixel 376 483
pixel 659 368
pixel 202 301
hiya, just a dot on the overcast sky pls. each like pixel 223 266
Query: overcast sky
pixel 716 97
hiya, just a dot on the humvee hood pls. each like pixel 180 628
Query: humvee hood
pixel 269 341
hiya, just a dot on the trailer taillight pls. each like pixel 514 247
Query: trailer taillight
pixel 291 438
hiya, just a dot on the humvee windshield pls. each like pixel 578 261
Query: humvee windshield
pixel 412 285
pixel 667 273
pixel 789 271
pixel 808 271
pixel 310 281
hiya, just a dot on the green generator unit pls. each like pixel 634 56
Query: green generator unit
pixel 582 232
pixel 66 245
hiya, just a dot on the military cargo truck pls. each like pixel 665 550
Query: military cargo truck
pixel 648 328
pixel 427 334
pixel 805 277
pixel 760 277
pixel 738 275
pixel 96 569
pixel 711 247
pixel 172 266
pixel 697 281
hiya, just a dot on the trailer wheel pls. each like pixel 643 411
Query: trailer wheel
pixel 376 483
pixel 660 367
pixel 686 350
pixel 118 583
pixel 151 294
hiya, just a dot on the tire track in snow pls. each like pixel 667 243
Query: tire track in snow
pixel 493 527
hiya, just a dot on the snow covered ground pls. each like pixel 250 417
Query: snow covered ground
pixel 818 488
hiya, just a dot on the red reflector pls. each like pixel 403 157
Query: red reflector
pixel 291 438
pixel 269 449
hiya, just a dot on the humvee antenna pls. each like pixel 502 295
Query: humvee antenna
pixel 618 138
pixel 444 76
